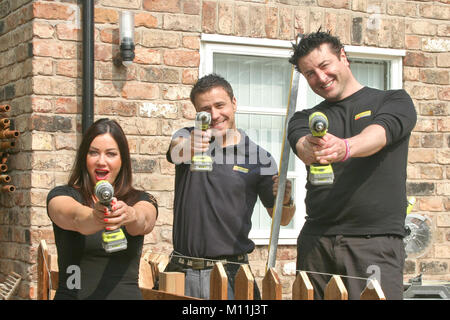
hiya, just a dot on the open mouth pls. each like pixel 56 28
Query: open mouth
pixel 328 84
pixel 101 174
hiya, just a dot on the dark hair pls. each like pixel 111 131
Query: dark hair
pixel 209 82
pixel 80 179
pixel 312 41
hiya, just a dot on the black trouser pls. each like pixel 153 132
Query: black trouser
pixel 381 257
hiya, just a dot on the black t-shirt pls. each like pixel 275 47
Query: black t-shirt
pixel 369 194
pixel 103 275
pixel 212 210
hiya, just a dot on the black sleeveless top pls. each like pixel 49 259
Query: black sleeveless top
pixel 86 271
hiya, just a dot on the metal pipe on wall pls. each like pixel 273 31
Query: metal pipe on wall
pixel 87 117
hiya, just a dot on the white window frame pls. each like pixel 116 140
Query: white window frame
pixel 213 43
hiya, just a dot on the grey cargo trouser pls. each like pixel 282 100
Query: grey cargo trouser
pixel 378 256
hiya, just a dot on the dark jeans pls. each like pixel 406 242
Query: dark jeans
pixel 197 281
pixel 380 257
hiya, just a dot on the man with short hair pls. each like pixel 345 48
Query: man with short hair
pixel 354 226
pixel 213 209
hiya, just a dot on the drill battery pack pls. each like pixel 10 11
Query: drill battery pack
pixel 201 162
pixel 114 240
pixel 321 174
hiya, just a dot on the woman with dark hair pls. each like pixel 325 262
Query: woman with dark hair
pixel 86 270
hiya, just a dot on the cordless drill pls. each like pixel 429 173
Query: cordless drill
pixel 201 161
pixel 113 240
pixel 319 174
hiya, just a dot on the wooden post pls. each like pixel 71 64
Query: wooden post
pixel 146 279
pixel 335 289
pixel 244 283
pixel 373 291
pixel 43 272
pixel 218 286
pixel 54 275
pixel 271 286
pixel 302 288
pixel 172 282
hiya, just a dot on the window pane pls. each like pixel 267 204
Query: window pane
pixel 260 82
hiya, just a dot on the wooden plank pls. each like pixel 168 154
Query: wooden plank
pixel 146 279
pixel 157 262
pixel 150 294
pixel 244 283
pixel 335 289
pixel 302 288
pixel 42 270
pixel 271 286
pixel 172 282
pixel 218 286
pixel 372 291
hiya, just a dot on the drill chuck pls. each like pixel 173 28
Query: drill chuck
pixel 203 120
pixel 318 124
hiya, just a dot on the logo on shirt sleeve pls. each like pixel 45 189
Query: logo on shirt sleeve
pixel 363 114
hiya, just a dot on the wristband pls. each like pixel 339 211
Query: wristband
pixel 347 151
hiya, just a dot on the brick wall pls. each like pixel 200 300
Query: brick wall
pixel 40 77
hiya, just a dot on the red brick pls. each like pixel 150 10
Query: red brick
pixel 241 22
pixel 144 19
pixel 56 49
pixel 69 68
pixel 337 4
pixel 104 15
pixel 67 105
pixel 173 6
pixel 209 16
pixel 43 29
pixel 67 31
pixel 182 58
pixel 191 6
pixel 115 107
pixel 225 18
pixel 137 90
pixel 53 10
pixel 444 93
pixel 147 56
pixel 271 23
pixel 434 76
pixel 110 35
pixel 191 42
pixel 190 76
pixel 257 27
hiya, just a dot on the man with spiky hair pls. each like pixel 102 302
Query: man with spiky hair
pixel 354 226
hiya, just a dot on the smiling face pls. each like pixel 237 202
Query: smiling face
pixel 103 159
pixel 328 75
pixel 222 108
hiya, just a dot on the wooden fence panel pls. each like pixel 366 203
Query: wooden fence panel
pixel 271 286
pixel 244 283
pixel 43 271
pixel 373 291
pixel 172 282
pixel 335 289
pixel 302 288
pixel 218 289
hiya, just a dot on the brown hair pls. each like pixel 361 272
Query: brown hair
pixel 79 177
